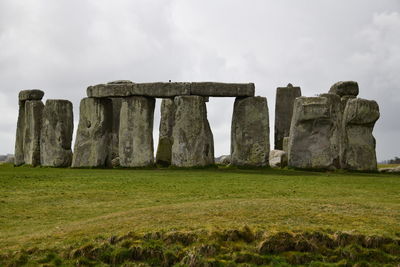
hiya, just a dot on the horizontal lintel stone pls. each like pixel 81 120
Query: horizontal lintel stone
pixel 171 89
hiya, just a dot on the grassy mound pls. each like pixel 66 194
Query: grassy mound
pixel 242 247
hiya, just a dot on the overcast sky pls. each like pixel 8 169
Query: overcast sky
pixel 64 46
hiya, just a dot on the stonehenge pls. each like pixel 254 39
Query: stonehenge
pixel 193 143
pixel 136 132
pixel 358 150
pixel 250 132
pixel 27 141
pixel 56 134
pixel 334 131
pixel 92 144
pixel 314 140
pixel 326 132
pixel 285 97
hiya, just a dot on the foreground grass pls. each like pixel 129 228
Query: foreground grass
pixel 55 208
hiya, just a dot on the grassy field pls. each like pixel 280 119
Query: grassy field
pixel 46 208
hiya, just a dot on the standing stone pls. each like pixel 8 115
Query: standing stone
pixel 165 141
pixel 359 119
pixel 136 132
pixel 116 110
pixel 56 134
pixel 193 143
pixel 285 146
pixel 33 125
pixel 92 145
pixel 278 159
pixel 285 97
pixel 344 100
pixel 346 88
pixel 19 139
pixel 315 133
pixel 23 96
pixel 250 132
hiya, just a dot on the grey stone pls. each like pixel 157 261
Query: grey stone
pixel 193 143
pixel 278 159
pixel 20 133
pixel 115 162
pixel 170 89
pixel 33 125
pixel 343 88
pixel 56 133
pixel 136 132
pixel 250 132
pixel 285 146
pixel 315 133
pixel 390 170
pixel 285 97
pixel 165 141
pixel 120 82
pixel 116 110
pixel 157 89
pixel 34 94
pixel 344 100
pixel 359 119
pixel 92 144
pixel 222 89
pixel 223 160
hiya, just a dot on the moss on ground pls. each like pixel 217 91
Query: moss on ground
pixel 239 247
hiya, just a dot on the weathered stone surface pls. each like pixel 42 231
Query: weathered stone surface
pixel 345 88
pixel 250 132
pixel 34 94
pixel 33 125
pixel 390 170
pixel 56 134
pixel 193 143
pixel 20 133
pixel 278 159
pixel 285 146
pixel 285 97
pixel 23 96
pixel 344 100
pixel 223 160
pixel 359 119
pixel 136 132
pixel 92 144
pixel 116 110
pixel 315 133
pixel 165 141
pixel 157 89
pixel 222 89
pixel 170 89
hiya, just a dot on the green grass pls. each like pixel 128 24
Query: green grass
pixel 50 208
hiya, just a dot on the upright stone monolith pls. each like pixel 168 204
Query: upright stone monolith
pixel 165 141
pixel 93 138
pixel 285 97
pixel 136 132
pixel 359 119
pixel 250 132
pixel 315 133
pixel 33 125
pixel 56 134
pixel 193 143
pixel 116 110
pixel 345 88
pixel 21 124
